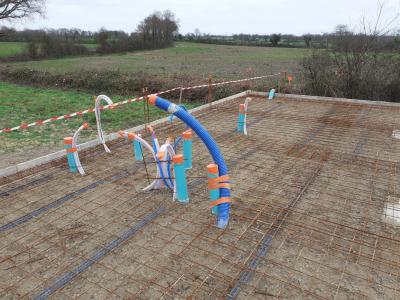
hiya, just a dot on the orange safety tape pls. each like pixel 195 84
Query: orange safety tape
pixel 220 201
pixel 215 186
pixel 71 150
pixel 218 179
pixel 90 110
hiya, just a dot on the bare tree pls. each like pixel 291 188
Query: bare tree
pixel 18 9
pixel 357 64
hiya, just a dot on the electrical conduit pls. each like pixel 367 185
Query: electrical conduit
pixel 224 201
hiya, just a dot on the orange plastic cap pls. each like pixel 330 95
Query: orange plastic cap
pixel 160 155
pixel 131 136
pixel 212 168
pixel 187 135
pixel 178 159
pixel 85 125
pixel 68 141
pixel 152 99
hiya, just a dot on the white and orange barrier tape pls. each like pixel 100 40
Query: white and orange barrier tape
pixel 114 105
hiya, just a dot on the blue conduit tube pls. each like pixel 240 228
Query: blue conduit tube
pixel 70 155
pixel 180 179
pixel 241 118
pixel 187 149
pixel 223 208
pixel 271 94
pixel 212 173
pixel 137 149
pixel 170 120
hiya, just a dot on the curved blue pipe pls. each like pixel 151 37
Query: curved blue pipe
pixel 223 208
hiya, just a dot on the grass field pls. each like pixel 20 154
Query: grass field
pixel 198 60
pixel 25 104
pixel 11 48
pixel 28 104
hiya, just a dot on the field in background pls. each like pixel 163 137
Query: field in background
pixel 11 48
pixel 28 104
pixel 198 60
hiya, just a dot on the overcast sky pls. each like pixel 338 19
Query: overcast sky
pixel 213 16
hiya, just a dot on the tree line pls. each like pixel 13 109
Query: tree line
pixel 320 41
pixel 158 30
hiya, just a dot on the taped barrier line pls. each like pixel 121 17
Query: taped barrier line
pixel 66 278
pixel 90 110
pixel 223 208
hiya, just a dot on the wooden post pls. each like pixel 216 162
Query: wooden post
pixel 180 96
pixel 209 90
pixel 145 106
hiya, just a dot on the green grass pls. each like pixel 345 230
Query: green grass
pixel 91 47
pixel 197 60
pixel 11 48
pixel 25 104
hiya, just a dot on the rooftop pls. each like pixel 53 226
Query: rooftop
pixel 315 214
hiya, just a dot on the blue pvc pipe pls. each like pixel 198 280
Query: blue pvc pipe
pixel 223 208
pixel 181 183
pixel 240 127
pixel 271 94
pixel 187 153
pixel 137 147
pixel 71 159
pixel 214 194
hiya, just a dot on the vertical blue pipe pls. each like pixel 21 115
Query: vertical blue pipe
pixel 180 179
pixel 137 148
pixel 70 155
pixel 212 173
pixel 187 149
pixel 271 94
pixel 241 118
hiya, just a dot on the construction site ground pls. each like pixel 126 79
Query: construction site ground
pixel 315 213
